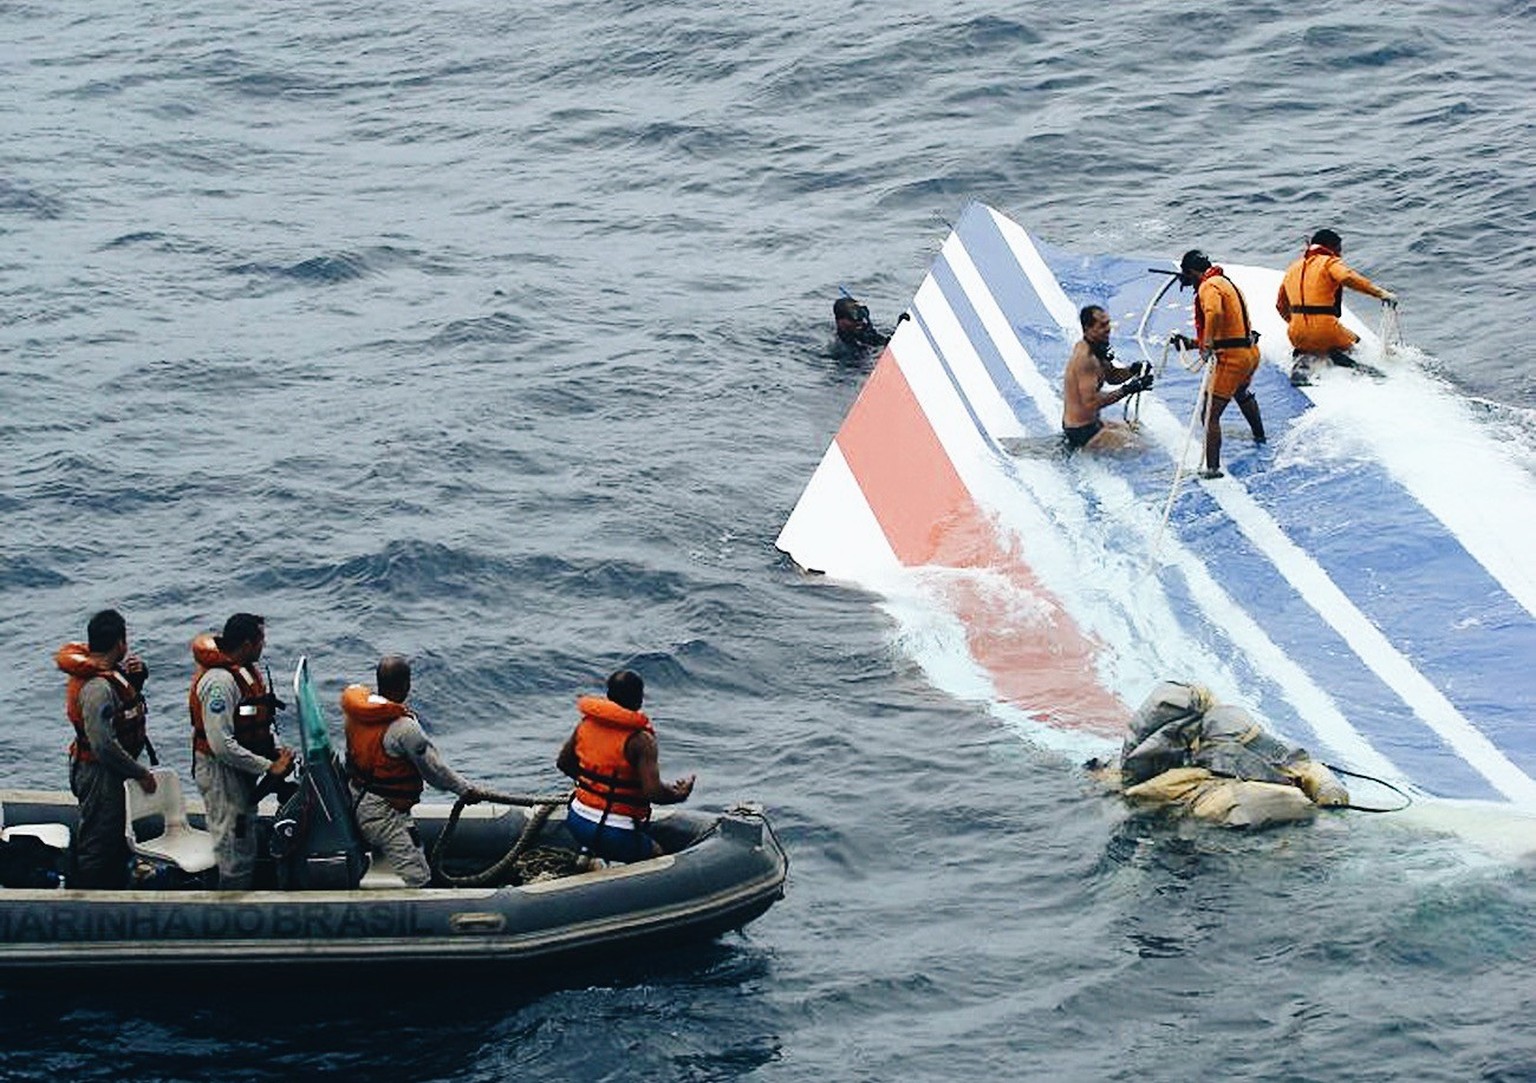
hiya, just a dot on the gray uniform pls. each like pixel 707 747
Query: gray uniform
pixel 228 781
pixel 101 846
pixel 385 827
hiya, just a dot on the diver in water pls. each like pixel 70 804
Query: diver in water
pixel 856 333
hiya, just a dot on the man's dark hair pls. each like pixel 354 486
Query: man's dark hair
pixel 627 689
pixel 1328 239
pixel 394 677
pixel 240 629
pixel 106 630
pixel 1088 313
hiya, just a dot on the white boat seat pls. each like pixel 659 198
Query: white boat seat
pixel 188 848
pixel 54 835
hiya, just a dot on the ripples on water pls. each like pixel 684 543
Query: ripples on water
pixel 499 340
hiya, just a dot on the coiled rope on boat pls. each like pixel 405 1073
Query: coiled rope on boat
pixel 504 870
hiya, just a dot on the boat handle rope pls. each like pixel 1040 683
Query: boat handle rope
pixel 490 876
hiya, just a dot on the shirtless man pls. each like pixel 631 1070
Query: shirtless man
pixel 1091 366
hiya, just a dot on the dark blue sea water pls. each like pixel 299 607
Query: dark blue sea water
pixel 496 334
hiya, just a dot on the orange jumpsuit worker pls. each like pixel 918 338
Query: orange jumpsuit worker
pixel 1311 300
pixel 1225 337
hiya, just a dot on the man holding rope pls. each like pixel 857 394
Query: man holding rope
pixel 1311 300
pixel 389 759
pixel 1228 343
pixel 1091 366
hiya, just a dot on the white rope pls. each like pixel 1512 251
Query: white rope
pixel 1189 435
pixel 1389 332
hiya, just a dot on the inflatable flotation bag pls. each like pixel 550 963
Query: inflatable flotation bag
pixel 1214 762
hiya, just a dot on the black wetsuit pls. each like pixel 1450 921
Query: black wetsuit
pixel 863 337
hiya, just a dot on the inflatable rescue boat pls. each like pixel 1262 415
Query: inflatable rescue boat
pixel 516 889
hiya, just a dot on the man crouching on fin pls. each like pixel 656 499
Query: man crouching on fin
pixel 389 759
pixel 1091 366
pixel 612 755
pixel 1311 300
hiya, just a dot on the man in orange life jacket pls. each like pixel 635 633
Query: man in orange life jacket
pixel 233 746
pixel 389 759
pixel 1226 339
pixel 612 755
pixel 1311 300
pixel 105 704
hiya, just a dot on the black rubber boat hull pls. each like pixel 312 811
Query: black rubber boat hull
pixel 726 871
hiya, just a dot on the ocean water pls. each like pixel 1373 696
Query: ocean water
pixel 497 335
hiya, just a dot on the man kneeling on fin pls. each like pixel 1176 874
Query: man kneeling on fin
pixel 389 758
pixel 1311 301
pixel 1091 366
pixel 612 755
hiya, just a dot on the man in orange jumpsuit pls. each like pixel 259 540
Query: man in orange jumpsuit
pixel 1311 301
pixel 1227 341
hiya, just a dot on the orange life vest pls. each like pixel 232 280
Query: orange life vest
pixel 368 716
pixel 605 779
pixel 1231 329
pixel 1313 290
pixel 253 711
pixel 128 712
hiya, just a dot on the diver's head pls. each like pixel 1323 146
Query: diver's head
pixel 847 310
pixel 1194 264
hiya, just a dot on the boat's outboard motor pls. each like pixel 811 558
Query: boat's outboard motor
pixel 315 838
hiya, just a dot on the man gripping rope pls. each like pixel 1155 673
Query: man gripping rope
pixel 1226 339
pixel 390 758
pixel 1311 300
pixel 1091 366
